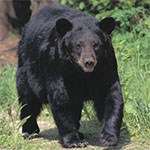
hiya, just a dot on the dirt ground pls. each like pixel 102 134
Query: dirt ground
pixel 8 50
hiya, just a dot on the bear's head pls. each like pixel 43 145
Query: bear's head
pixel 84 44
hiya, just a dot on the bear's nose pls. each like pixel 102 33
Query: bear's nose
pixel 89 63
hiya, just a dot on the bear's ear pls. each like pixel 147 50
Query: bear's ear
pixel 107 25
pixel 63 26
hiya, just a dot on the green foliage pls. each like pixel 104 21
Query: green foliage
pixel 127 13
pixel 8 92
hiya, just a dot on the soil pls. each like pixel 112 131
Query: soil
pixel 8 51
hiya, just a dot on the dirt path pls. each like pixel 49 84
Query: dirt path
pixel 49 138
pixel 8 49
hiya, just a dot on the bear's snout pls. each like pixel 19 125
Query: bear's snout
pixel 87 60
pixel 89 64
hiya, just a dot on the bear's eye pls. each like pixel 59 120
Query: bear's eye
pixel 95 46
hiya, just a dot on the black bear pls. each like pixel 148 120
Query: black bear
pixel 66 57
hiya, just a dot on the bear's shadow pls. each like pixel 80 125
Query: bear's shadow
pixel 91 130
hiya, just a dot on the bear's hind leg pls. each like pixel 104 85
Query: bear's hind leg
pixel 30 110
pixel 30 106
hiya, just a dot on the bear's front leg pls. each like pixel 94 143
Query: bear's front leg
pixel 112 116
pixel 63 115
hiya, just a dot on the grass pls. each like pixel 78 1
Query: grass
pixel 134 68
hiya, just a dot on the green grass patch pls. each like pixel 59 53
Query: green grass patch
pixel 134 68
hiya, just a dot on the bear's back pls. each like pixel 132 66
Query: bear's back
pixel 42 23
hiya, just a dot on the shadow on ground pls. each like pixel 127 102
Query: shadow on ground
pixel 91 130
pixel 50 134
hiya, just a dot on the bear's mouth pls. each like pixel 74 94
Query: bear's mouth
pixel 87 69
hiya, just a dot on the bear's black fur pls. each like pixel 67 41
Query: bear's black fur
pixel 66 57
